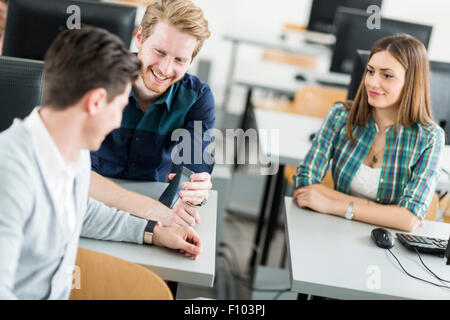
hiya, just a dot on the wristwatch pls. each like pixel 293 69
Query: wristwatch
pixel 148 232
pixel 349 213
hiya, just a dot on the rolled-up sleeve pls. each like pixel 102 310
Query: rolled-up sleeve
pixel 418 193
pixel 314 167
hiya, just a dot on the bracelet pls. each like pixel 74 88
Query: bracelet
pixel 201 204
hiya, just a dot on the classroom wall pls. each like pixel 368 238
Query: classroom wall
pixel 266 18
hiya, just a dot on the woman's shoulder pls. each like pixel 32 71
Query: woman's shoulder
pixel 431 131
pixel 339 112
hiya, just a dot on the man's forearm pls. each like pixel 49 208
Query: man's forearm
pixel 113 195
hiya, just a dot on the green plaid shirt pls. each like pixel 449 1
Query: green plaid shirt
pixel 411 162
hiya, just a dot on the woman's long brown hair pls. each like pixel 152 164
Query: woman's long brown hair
pixel 414 105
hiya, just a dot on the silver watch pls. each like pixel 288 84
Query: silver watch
pixel 349 213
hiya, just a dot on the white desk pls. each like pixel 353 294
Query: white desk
pixel 443 183
pixel 291 147
pixel 169 264
pixel 294 132
pixel 333 257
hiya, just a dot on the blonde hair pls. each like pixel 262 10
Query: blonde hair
pixel 181 14
pixel 414 105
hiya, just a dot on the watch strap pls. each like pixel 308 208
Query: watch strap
pixel 148 232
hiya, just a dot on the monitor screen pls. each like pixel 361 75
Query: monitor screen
pixel 440 95
pixel 33 25
pixel 352 34
pixel 21 84
pixel 321 17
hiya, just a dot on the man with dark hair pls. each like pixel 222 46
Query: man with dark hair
pixel 45 169
pixel 165 99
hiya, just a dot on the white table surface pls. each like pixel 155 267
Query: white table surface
pixel 294 131
pixel 333 257
pixel 293 43
pixel 443 183
pixel 169 264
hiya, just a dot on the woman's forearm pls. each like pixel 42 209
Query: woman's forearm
pixel 364 210
pixel 337 195
pixel 390 216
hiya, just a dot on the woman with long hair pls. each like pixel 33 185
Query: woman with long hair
pixel 383 147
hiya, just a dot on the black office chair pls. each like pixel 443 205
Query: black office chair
pixel 20 88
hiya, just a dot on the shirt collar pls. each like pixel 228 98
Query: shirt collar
pixel 49 157
pixel 166 98
pixel 374 126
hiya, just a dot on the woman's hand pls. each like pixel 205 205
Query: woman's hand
pixel 312 197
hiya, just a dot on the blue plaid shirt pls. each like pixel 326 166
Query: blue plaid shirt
pixel 411 162
pixel 141 149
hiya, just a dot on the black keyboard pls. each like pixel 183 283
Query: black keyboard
pixel 423 244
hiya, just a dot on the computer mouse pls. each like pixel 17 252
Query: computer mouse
pixel 300 77
pixel 382 238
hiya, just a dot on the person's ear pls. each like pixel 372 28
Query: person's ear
pixel 95 101
pixel 138 38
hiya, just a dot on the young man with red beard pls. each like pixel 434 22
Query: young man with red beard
pixel 164 98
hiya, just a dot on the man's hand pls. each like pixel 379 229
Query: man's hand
pixel 186 214
pixel 184 239
pixel 197 189
pixel 311 197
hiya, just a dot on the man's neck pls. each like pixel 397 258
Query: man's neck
pixel 144 96
pixel 63 126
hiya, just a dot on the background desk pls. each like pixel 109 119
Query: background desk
pixel 330 256
pixel 292 147
pixel 169 264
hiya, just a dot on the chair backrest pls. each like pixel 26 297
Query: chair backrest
pixel 20 88
pixel 316 101
pixel 103 277
pixel 433 208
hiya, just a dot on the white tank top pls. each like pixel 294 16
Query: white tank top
pixel 365 182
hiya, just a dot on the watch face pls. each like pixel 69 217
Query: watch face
pixel 148 237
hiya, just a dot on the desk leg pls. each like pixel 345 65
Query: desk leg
pixel 274 212
pixel 262 217
pixel 173 286
pixel 246 117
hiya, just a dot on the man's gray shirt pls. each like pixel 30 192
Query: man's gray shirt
pixel 37 249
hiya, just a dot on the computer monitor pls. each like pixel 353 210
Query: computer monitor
pixel 20 88
pixel 359 66
pixel 440 95
pixel 321 17
pixel 33 25
pixel 353 34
